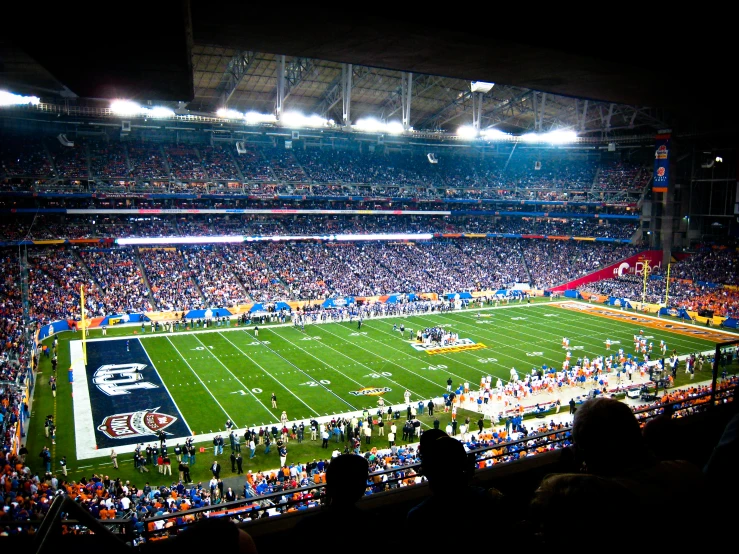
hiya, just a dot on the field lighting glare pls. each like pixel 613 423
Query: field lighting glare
pixel 225 113
pixel 255 118
pixel 10 99
pixel 467 132
pixel 294 119
pixel 125 107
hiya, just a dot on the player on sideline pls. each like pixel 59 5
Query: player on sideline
pixel 359 323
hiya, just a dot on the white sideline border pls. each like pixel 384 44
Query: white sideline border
pixel 84 426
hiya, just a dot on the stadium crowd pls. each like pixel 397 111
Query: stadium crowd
pixel 128 279
pixel 268 168
pixel 553 263
pixel 696 284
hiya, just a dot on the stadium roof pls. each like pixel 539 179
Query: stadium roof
pixel 545 64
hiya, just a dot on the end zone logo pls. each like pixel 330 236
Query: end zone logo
pixel 120 379
pixel 371 391
pixel 143 422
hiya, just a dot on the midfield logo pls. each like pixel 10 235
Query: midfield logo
pixel 131 424
pixel 374 391
pixel 435 346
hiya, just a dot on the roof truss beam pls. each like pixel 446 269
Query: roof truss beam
pixel 237 68
pixel 334 92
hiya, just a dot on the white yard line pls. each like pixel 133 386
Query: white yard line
pixel 278 382
pixel 355 345
pixel 201 381
pixel 166 388
pixel 331 366
pixel 243 384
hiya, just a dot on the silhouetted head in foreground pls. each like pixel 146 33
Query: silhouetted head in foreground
pixel 563 498
pixel 445 464
pixel 607 438
pixel 346 479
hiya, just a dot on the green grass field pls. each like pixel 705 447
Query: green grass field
pixel 225 374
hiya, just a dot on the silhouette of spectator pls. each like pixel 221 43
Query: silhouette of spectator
pixel 200 536
pixel 563 498
pixel 607 438
pixel 448 469
pixel 346 483
pixel 723 462
pixel 609 443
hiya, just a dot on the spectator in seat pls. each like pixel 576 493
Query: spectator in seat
pixel 346 483
pixel 566 497
pixel 448 469
pixel 608 442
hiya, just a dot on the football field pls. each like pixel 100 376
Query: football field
pixel 190 382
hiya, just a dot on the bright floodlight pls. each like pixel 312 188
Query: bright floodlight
pixel 369 124
pixel 554 137
pixel 481 86
pixel 10 99
pixel 160 112
pixel 467 132
pixel 225 113
pixel 372 125
pixel 255 118
pixel 295 119
pixel 560 137
pixel 494 134
pixel 394 127
pixel 125 107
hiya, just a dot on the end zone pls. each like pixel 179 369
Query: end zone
pixel 648 321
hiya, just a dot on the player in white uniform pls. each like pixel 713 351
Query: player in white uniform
pixel 514 374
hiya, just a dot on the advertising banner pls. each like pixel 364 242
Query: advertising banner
pixel 661 163
pixel 675 312
pixel 339 302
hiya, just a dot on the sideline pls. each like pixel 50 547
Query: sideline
pixel 652 322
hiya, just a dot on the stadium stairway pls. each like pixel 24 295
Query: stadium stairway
pixel 519 249
pixel 81 263
pixel 144 276
pixel 193 277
